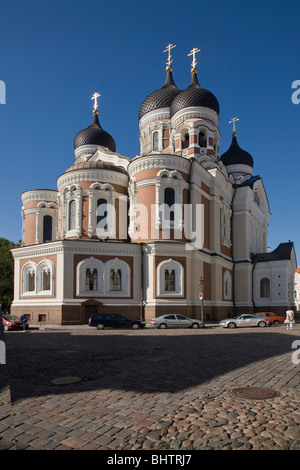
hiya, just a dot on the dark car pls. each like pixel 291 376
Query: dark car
pixel 113 320
pixel 12 322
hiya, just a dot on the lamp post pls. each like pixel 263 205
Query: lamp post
pixel 201 285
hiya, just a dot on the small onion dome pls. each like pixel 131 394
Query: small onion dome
pixel 94 135
pixel 96 165
pixel 161 98
pixel 235 155
pixel 194 95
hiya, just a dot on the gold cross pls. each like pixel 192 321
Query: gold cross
pixel 168 49
pixel 193 53
pixel 94 97
pixel 233 121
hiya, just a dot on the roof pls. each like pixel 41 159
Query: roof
pixel 94 135
pixel 98 165
pixel 235 155
pixel 282 252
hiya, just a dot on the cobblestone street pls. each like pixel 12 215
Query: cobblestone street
pixel 150 389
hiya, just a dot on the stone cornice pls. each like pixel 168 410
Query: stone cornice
pixel 150 162
pixel 39 195
pixel 101 175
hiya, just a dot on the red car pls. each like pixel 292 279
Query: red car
pixel 12 322
pixel 273 319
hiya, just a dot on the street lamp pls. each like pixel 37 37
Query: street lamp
pixel 201 285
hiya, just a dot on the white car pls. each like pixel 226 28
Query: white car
pixel 244 321
pixel 175 321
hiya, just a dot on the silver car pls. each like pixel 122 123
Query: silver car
pixel 175 321
pixel 244 321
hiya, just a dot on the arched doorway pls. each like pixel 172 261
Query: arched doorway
pixel 88 308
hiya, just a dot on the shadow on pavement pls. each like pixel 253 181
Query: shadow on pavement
pixel 133 362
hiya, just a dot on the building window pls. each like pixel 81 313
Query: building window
pixel 155 141
pixel 265 288
pixel 102 213
pixel 227 285
pixel 115 279
pixel 47 228
pixel 170 278
pixel 169 200
pixel 170 284
pixel 91 279
pixel 72 209
pixel 202 139
pixel 46 279
pixel 31 281
pixel 185 141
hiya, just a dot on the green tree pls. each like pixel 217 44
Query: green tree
pixel 6 273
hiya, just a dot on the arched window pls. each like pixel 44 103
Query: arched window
pixel 185 141
pixel 202 139
pixel 91 279
pixel 102 214
pixel 46 279
pixel 227 285
pixel 265 288
pixel 169 200
pixel 155 140
pixel 31 281
pixel 72 209
pixel 47 228
pixel 170 280
pixel 116 279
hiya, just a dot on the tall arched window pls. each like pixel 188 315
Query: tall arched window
pixel 202 139
pixel 72 209
pixel 31 281
pixel 185 141
pixel 116 279
pixel 170 280
pixel 169 200
pixel 91 279
pixel 102 214
pixel 155 140
pixel 47 228
pixel 265 287
pixel 46 282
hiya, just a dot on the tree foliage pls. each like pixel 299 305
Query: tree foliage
pixel 7 272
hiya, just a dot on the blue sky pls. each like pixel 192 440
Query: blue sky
pixel 56 54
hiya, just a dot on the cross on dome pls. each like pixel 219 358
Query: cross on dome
pixel 169 60
pixel 94 97
pixel 193 52
pixel 233 121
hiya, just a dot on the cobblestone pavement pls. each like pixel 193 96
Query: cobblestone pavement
pixel 151 389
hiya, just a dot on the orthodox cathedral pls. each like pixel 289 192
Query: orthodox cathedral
pixel 176 229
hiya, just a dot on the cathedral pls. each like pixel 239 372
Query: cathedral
pixel 176 229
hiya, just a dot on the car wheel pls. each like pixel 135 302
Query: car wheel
pixel 5 327
pixel 195 325
pixel 162 326
pixel 135 326
pixel 261 324
pixel 275 322
pixel 231 325
pixel 100 326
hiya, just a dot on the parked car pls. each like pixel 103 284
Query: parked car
pixel 273 319
pixel 12 322
pixel 113 320
pixel 244 321
pixel 175 321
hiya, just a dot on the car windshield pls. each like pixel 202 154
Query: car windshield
pixel 11 317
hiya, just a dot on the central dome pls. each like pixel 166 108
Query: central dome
pixel 193 96
pixel 235 155
pixel 94 135
pixel 161 98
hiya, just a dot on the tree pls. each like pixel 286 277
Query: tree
pixel 7 273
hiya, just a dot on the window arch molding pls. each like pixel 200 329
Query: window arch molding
pixel 116 265
pixel 45 275
pixel 165 269
pixel 264 288
pixel 96 192
pixel 28 279
pixel 81 272
pixel 173 180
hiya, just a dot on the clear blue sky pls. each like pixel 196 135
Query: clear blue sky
pixel 56 54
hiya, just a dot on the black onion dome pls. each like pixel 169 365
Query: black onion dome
pixel 161 98
pixel 94 135
pixel 235 155
pixel 194 95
